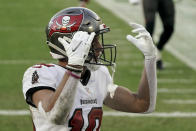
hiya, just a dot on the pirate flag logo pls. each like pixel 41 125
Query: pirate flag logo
pixel 35 77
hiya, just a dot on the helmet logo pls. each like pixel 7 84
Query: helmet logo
pixel 65 20
pixel 65 24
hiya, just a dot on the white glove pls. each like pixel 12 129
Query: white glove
pixel 143 41
pixel 77 50
pixel 134 2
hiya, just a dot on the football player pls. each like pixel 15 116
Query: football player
pixel 166 10
pixel 83 3
pixel 70 95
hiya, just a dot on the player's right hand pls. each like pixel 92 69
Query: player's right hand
pixel 77 50
pixel 143 41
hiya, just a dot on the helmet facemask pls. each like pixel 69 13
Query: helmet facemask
pixel 101 54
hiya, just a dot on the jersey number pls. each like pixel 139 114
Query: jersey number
pixel 77 121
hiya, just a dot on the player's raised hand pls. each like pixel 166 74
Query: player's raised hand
pixel 134 2
pixel 143 41
pixel 77 50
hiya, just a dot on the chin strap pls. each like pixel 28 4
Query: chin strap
pixel 112 87
pixel 113 71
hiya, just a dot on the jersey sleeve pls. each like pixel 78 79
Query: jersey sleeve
pixel 35 79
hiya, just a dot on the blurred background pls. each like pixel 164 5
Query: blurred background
pixel 22 35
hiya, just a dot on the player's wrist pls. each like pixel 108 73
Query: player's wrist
pixel 76 61
pixel 74 68
pixel 148 57
pixel 151 53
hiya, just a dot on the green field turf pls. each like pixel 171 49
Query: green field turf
pixel 23 44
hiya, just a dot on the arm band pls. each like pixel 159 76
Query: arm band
pixel 74 69
pixel 74 75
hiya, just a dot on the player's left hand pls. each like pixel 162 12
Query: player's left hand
pixel 143 41
pixel 134 2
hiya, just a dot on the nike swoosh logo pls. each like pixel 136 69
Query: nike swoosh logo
pixel 74 49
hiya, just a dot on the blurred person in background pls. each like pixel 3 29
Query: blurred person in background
pixel 70 95
pixel 166 11
pixel 83 3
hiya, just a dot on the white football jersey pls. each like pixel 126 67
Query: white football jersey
pixel 86 113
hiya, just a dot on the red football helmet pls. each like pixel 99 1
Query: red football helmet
pixel 70 20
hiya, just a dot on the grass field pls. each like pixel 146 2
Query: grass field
pixel 22 36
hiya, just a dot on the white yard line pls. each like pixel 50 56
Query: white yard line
pixel 111 113
pixel 20 62
pixel 14 112
pixel 176 101
pixel 174 80
pixel 10 28
pixel 155 114
pixel 177 91
pixel 182 45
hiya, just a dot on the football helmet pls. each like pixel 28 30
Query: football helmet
pixel 70 20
